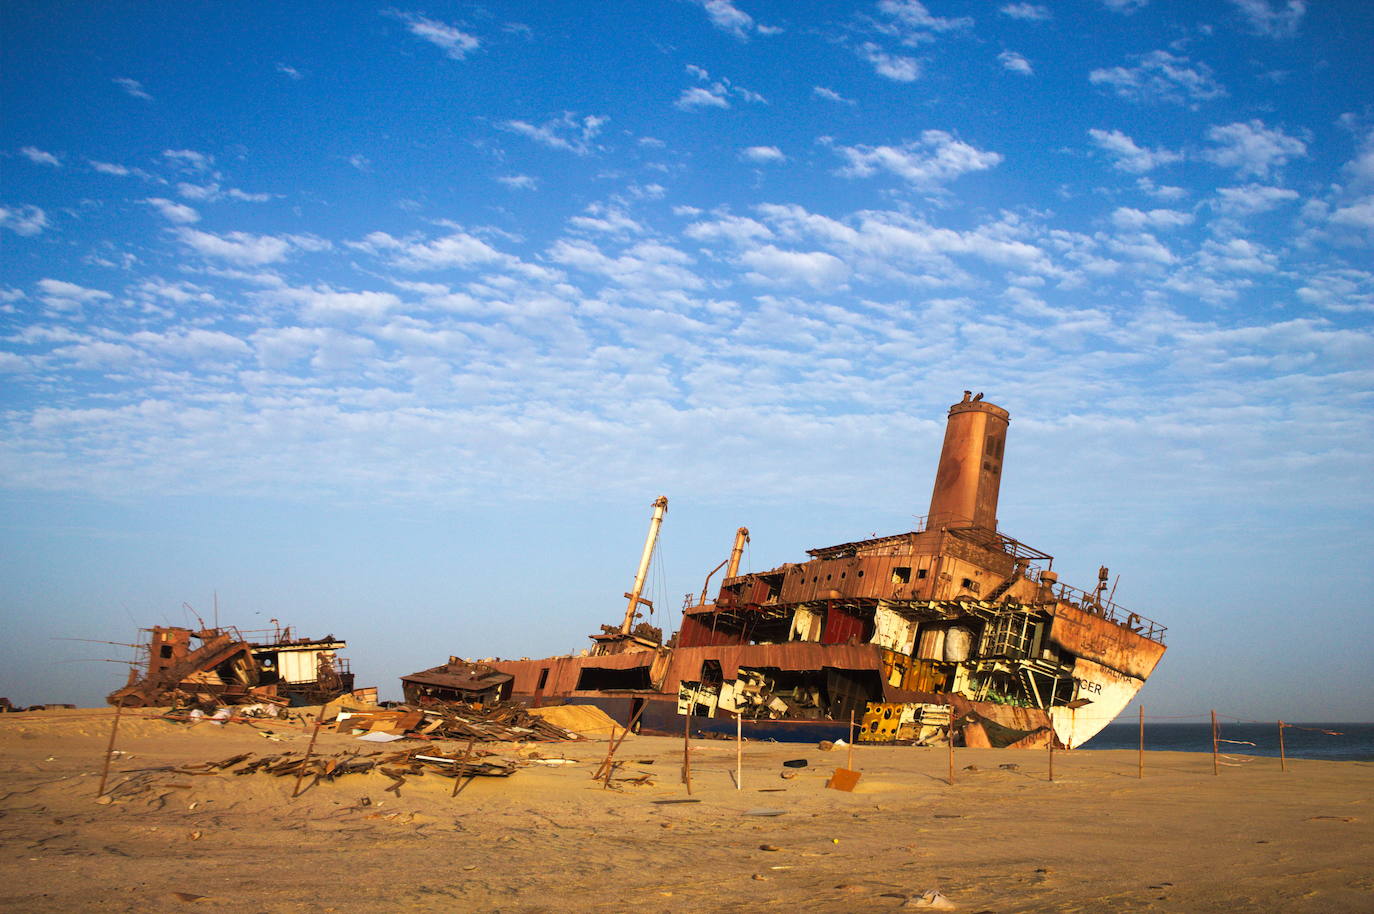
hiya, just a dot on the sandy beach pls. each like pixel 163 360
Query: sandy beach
pixel 1002 838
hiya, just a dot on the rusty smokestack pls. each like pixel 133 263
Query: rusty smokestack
pixel 970 472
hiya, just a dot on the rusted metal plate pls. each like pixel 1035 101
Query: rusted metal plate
pixel 796 655
pixel 1103 641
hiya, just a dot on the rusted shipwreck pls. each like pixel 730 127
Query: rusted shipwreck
pixel 178 666
pixel 953 630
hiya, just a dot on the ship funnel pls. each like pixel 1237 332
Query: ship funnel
pixel 970 472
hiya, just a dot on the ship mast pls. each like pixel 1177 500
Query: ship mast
pixel 660 508
pixel 741 537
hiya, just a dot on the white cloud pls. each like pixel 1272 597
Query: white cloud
pixel 189 159
pixel 173 211
pixel 1125 217
pixel 727 17
pixel 39 157
pixel 715 95
pixel 1161 191
pixel 1125 6
pixel 735 229
pixel 1236 255
pixel 1251 148
pixel 913 16
pixel 892 66
pixel 610 220
pixel 180 293
pixel 1129 156
pixel 290 72
pixel 323 301
pixel 23 220
pixel 360 162
pixel 519 182
pixel 1160 77
pixel 1250 199
pixel 763 155
pixel 773 266
pixel 830 95
pixel 242 248
pixel 1357 215
pixel 1265 19
pixel 61 295
pixel 194 344
pixel 1014 62
pixel 457 250
pixel 568 132
pixel 936 159
pixel 1341 290
pixel 109 168
pixel 1028 12
pixel 133 87
pixel 645 266
pixel 695 97
pixel 454 42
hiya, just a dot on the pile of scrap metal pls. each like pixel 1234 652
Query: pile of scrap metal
pixel 501 723
pixel 227 668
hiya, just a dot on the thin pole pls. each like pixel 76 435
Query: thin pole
pixel 739 752
pixel 1215 768
pixel 463 770
pixel 951 749
pixel 1283 759
pixel 687 752
pixel 109 750
pixel 1051 745
pixel 300 772
pixel 850 763
pixel 614 744
pixel 1140 758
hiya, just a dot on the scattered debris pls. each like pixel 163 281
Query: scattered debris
pixel 843 779
pixel 509 723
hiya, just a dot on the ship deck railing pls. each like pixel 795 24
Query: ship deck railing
pixel 1099 606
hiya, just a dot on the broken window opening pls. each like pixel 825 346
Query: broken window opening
pixel 543 679
pixel 901 574
pixel 593 679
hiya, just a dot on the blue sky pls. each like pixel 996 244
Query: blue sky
pixel 391 321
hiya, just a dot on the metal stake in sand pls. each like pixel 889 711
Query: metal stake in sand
pixel 739 752
pixel 109 750
pixel 1140 758
pixel 300 772
pixel 850 763
pixel 1283 759
pixel 614 744
pixel 951 752
pixel 1215 768
pixel 687 752
pixel 463 770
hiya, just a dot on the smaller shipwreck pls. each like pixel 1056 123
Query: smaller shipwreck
pixel 180 666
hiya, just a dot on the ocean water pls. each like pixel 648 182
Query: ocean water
pixel 1339 742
